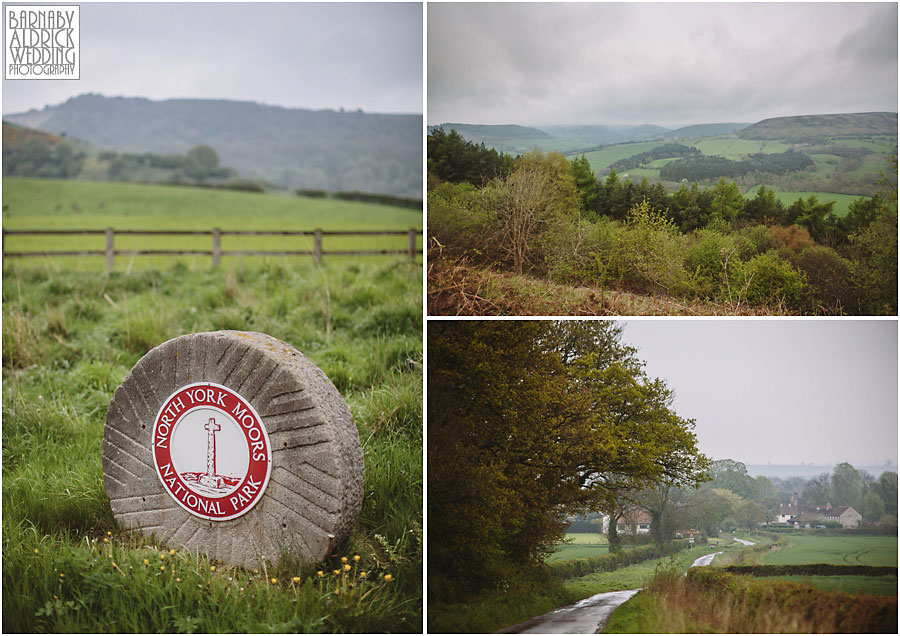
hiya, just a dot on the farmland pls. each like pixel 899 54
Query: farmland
pixel 843 168
pixel 69 337
pixel 581 546
pixel 58 204
pixel 838 550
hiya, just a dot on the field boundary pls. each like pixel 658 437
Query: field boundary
pixel 216 252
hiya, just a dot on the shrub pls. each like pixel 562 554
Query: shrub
pixel 827 274
pixel 647 253
pixel 706 259
pixel 792 238
pixel 767 279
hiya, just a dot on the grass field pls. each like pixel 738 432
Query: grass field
pixel 839 550
pixel 69 337
pixel 60 204
pixel 849 584
pixel 842 202
pixel 580 545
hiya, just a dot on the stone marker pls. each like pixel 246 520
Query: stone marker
pixel 234 444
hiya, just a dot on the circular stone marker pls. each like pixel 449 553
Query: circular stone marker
pixel 236 445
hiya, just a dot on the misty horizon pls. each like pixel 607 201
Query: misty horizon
pixel 205 99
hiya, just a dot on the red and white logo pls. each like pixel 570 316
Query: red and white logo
pixel 211 451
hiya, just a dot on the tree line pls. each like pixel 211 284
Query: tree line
pixel 701 167
pixel 544 215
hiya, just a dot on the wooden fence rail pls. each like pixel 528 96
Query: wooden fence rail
pixel 216 252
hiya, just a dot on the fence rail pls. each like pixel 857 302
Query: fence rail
pixel 216 252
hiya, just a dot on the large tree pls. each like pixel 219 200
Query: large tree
pixel 528 420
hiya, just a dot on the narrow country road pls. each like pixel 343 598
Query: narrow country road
pixel 587 616
pixel 584 617
pixel 743 541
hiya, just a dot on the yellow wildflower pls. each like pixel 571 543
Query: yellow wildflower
pixel 343 559
pixel 113 564
pixel 162 568
pixel 320 574
pixel 337 571
pixel 105 540
pixel 108 533
pixel 61 575
pixel 362 575
pixel 36 551
pixel 296 579
pixel 274 581
pixel 346 568
pixel 356 558
pixel 387 578
pixel 172 552
pixel 146 562
pixel 212 568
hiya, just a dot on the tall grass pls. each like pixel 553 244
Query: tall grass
pixel 709 600
pixel 70 338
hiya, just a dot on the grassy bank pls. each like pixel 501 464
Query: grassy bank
pixel 69 339
pixel 709 600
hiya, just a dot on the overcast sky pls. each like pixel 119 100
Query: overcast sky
pixel 670 64
pixel 326 55
pixel 780 391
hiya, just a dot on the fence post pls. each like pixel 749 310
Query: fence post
pixel 411 244
pixel 110 253
pixel 318 246
pixel 217 247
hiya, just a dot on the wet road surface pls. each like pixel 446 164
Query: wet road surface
pixel 588 615
pixel 583 617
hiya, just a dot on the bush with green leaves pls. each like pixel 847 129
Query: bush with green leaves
pixel 647 252
pixel 767 279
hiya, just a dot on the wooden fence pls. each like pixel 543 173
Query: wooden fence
pixel 216 252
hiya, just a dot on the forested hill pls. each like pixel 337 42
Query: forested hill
pixel 295 148
pixel 487 133
pixel 817 127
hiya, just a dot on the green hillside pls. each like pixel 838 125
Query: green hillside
pixel 295 148
pixel 818 127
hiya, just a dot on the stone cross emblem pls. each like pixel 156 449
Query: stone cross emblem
pixel 210 478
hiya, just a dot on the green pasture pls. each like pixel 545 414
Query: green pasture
pixel 601 159
pixel 883 144
pixel 60 204
pixel 849 584
pixel 69 338
pixel 637 174
pixel 842 202
pixel 586 538
pixel 839 550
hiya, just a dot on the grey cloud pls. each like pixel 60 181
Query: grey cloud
pixel 304 55
pixel 669 64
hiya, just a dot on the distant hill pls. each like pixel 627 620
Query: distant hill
pixel 818 127
pixel 295 148
pixel 597 135
pixel 14 136
pixel 703 130
pixel 488 132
